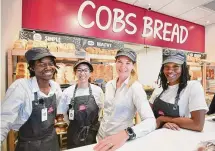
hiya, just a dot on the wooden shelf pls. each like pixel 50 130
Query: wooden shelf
pixel 101 57
pixel 61 133
pixel 15 52
pixel 194 64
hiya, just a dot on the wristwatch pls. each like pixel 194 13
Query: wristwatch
pixel 130 133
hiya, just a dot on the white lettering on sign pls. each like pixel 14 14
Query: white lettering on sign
pixel 183 39
pixel 106 45
pixel 181 33
pixel 80 11
pixel 52 39
pixel 175 32
pixel 131 24
pixel 147 26
pixel 157 28
pixel 151 27
pixel 118 16
pixel 102 8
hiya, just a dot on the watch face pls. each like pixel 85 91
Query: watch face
pixel 130 131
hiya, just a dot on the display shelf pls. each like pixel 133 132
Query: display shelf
pixel 61 133
pixel 65 55
pixel 17 52
pixel 60 123
pixel 194 64
pixel 101 57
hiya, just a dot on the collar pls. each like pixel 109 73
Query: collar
pixel 35 86
pixel 113 82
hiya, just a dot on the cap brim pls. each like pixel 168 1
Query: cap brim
pixel 173 60
pixel 40 56
pixel 87 63
pixel 127 55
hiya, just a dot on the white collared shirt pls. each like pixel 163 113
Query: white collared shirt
pixel 120 107
pixel 16 107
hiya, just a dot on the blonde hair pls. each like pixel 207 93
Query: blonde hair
pixel 133 76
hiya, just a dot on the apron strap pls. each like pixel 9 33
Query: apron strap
pixel 35 96
pixel 90 90
pixel 158 96
pixel 177 98
pixel 76 87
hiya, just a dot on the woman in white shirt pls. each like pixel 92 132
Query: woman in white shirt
pixel 124 97
pixel 83 102
pixel 30 105
pixel 179 103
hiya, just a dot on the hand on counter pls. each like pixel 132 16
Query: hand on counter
pixel 171 126
pixel 113 142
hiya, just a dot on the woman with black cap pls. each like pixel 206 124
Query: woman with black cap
pixel 180 103
pixel 30 104
pixel 83 103
pixel 124 97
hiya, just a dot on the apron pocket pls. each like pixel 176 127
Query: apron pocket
pixel 28 146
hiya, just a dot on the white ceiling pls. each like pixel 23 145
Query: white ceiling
pixel 190 10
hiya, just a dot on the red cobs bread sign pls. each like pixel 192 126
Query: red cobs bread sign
pixel 109 19
pixel 117 20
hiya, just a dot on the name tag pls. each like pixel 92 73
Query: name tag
pixel 44 115
pixel 71 114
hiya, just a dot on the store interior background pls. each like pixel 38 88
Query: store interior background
pixel 11 20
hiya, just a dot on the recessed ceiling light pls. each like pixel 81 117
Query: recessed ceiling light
pixel 207 22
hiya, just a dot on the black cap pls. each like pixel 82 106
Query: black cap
pixel 127 52
pixel 83 62
pixel 37 53
pixel 174 56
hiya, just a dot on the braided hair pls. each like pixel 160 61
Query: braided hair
pixel 162 80
pixel 31 65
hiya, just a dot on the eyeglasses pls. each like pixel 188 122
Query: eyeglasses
pixel 44 65
pixel 83 70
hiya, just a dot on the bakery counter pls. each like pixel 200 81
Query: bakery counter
pixel 167 140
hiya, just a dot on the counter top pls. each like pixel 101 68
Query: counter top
pixel 167 140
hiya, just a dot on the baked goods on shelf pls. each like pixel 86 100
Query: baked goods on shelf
pixel 60 125
pixel 20 44
pixel 102 71
pixel 65 74
pixel 53 46
pixel 22 70
pixel 99 51
pixel 35 43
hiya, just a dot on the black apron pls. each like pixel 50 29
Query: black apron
pixel 83 129
pixel 35 135
pixel 161 108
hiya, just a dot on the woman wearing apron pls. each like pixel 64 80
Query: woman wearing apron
pixel 83 104
pixel 180 103
pixel 30 104
pixel 124 97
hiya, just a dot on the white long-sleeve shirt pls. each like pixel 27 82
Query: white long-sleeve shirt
pixel 16 107
pixel 120 107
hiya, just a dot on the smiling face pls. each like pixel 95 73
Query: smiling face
pixel 83 73
pixel 124 66
pixel 44 68
pixel 172 72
